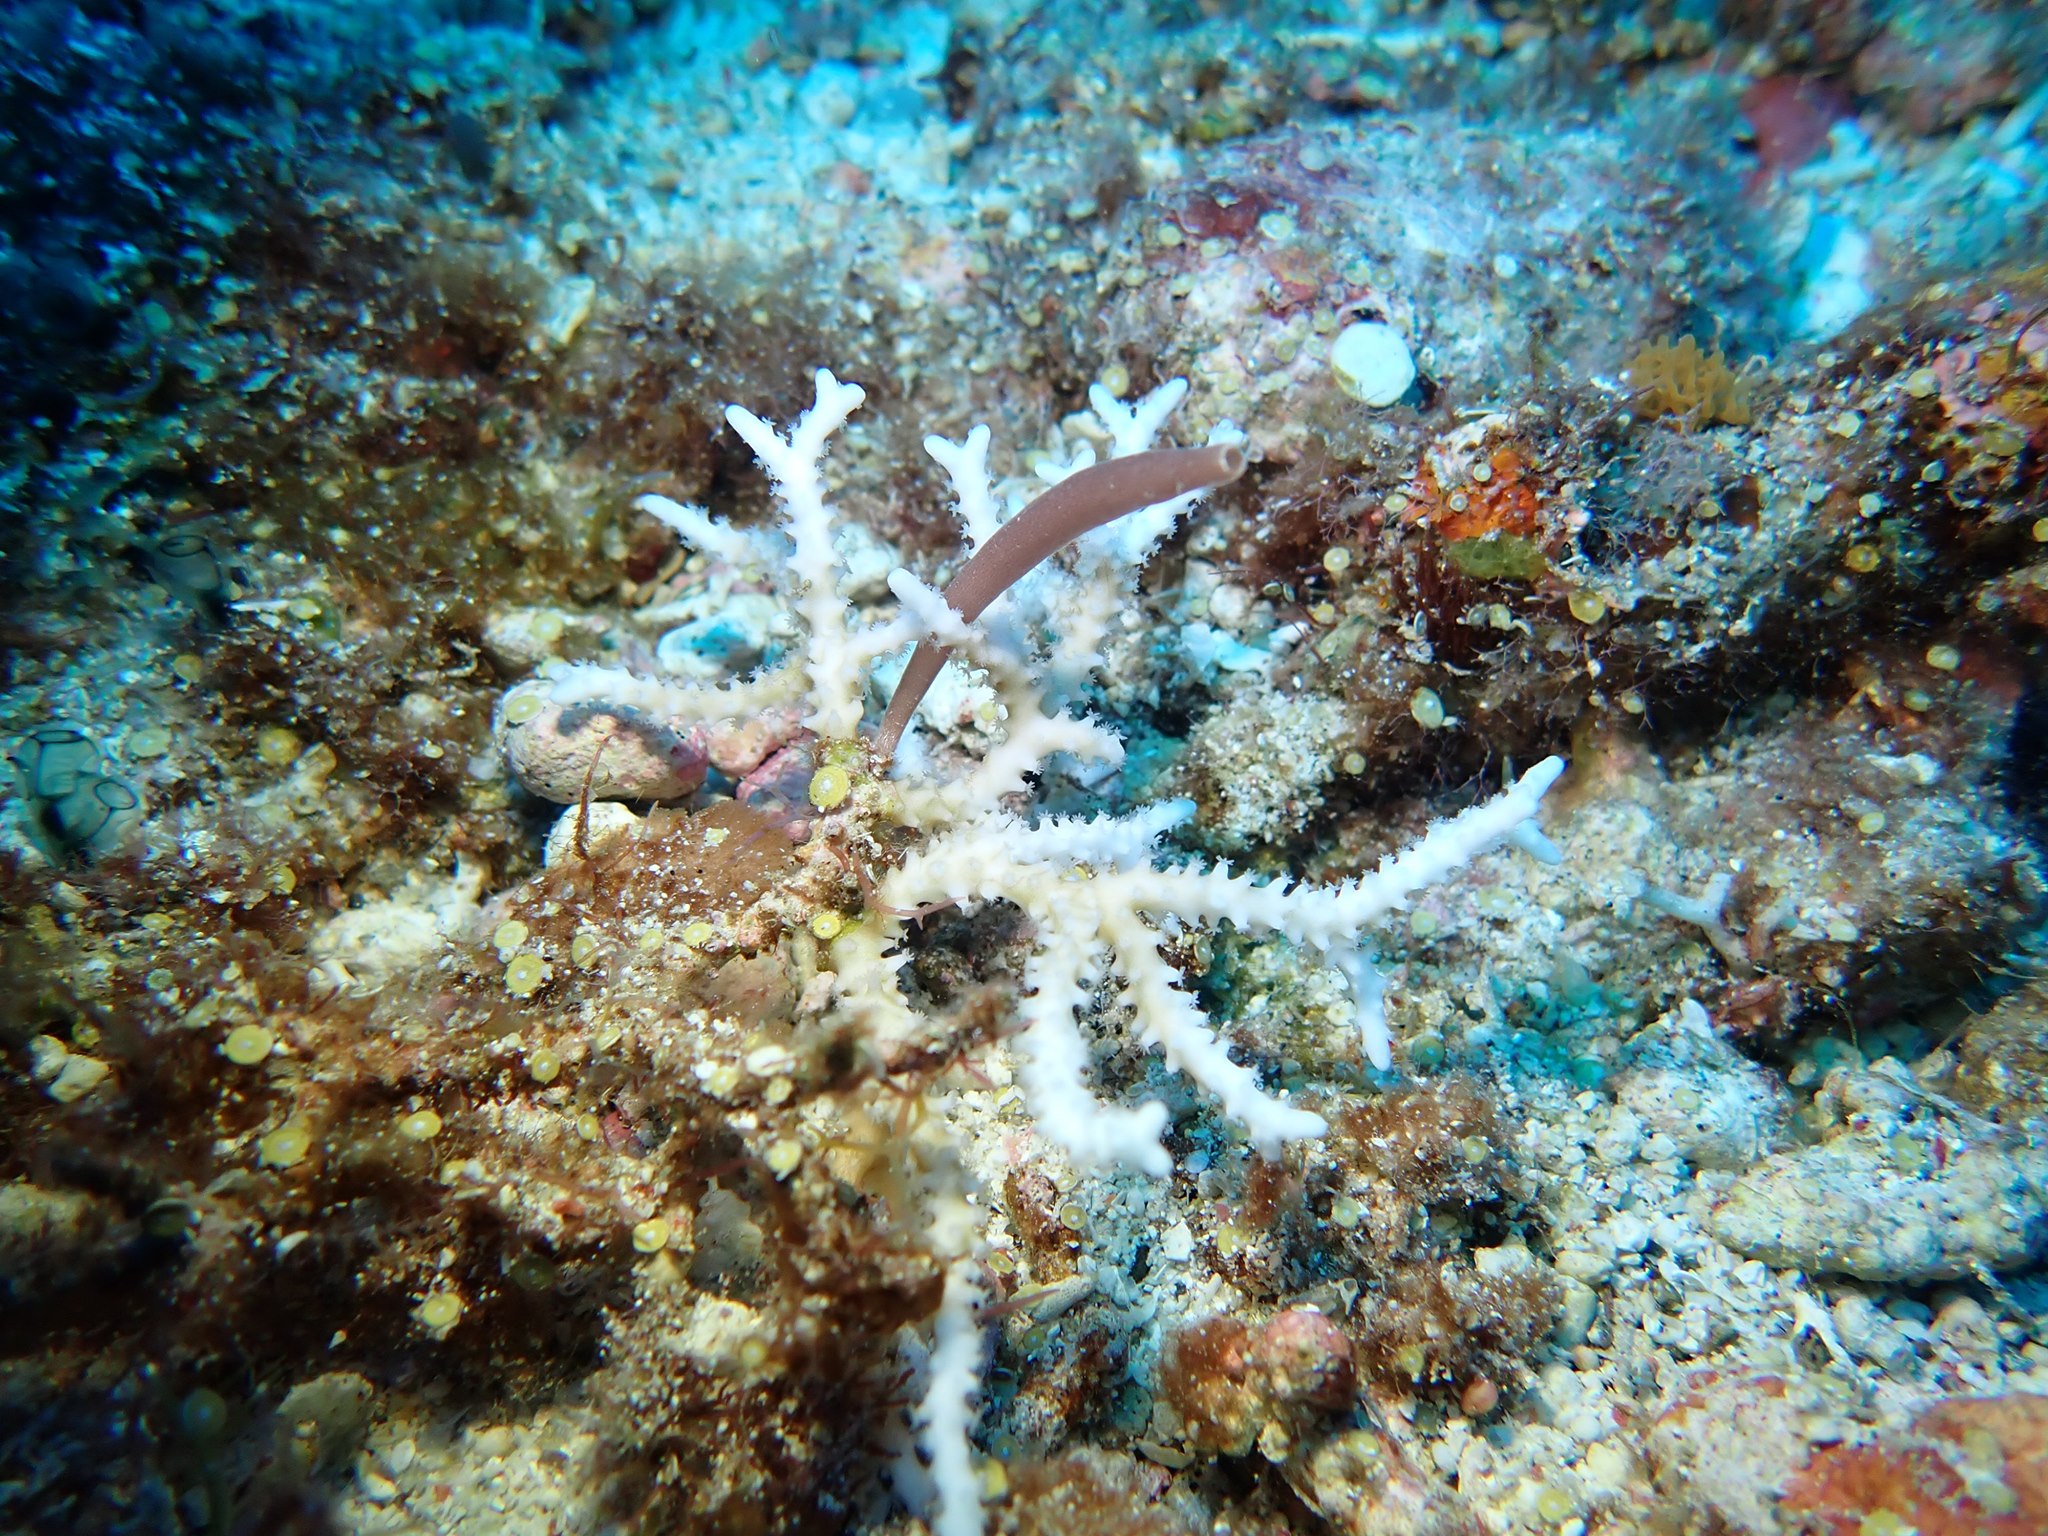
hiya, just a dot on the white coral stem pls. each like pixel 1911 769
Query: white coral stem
pixel 793 464
pixel 947 1414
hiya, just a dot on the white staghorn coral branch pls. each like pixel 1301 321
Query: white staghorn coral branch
pixel 1132 428
pixel 867 991
pixel 1105 842
pixel 792 463
pixel 1171 1019
pixel 966 465
pixel 1329 916
pixel 1055 1058
pixel 933 613
pixel 1030 735
pixel 1091 884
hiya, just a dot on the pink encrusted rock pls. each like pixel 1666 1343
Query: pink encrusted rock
pixel 780 787
pixel 1303 1357
pixel 551 751
pixel 1236 1387
pixel 738 747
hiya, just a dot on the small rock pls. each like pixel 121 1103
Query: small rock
pixel 731 640
pixel 1932 74
pixel 2001 1062
pixel 917 36
pixel 738 747
pixel 1689 1087
pixel 1620 1139
pixel 1969 1466
pixel 1836 267
pixel 519 639
pixel 49 1238
pixel 1235 1386
pixel 331 1415
pixel 608 825
pixel 1364 1484
pixel 65 1075
pixel 568 304
pixel 398 1457
pixel 1725 1440
pixel 1372 363
pixel 866 562
pixel 830 94
pixel 1628 1232
pixel 1575 1313
pixel 1868 1334
pixel 1584 1265
pixel 637 758
pixel 780 786
pixel 1888 1205
pixel 81 1076
pixel 1964 1326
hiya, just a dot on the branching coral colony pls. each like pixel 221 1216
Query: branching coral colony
pixel 1103 902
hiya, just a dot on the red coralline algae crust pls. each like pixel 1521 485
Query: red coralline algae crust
pixel 1229 1381
pixel 1969 1467
pixel 1791 116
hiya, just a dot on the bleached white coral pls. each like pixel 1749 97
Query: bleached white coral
pixel 831 670
pixel 946 1415
pixel 1102 906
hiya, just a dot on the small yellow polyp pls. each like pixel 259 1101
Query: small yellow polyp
pixel 651 1236
pixel 522 707
pixel 248 1044
pixel 420 1125
pixel 830 786
pixel 439 1312
pixel 276 745
pixel 828 925
pixel 524 975
pixel 286 1145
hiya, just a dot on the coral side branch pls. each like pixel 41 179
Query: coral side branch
pixel 697 528
pixel 966 465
